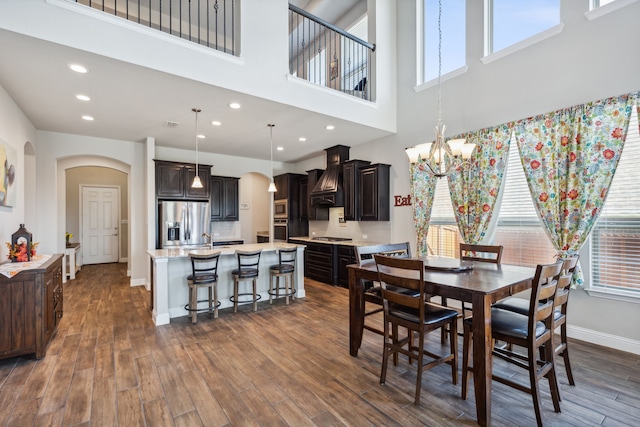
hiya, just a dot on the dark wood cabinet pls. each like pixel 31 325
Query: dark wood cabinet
pixel 346 256
pixel 262 239
pixel 173 181
pixel 224 198
pixel 303 198
pixel 315 213
pixel 374 194
pixel 282 186
pixel 289 184
pixel 351 188
pixel 320 262
pixel 31 306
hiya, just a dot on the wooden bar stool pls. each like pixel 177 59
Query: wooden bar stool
pixel 284 269
pixel 248 262
pixel 204 274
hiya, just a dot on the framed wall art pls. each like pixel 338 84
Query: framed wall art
pixel 8 161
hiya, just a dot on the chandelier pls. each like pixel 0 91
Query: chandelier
pixel 440 158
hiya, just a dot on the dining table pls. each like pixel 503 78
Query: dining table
pixel 478 283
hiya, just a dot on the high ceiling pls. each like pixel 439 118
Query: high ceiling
pixel 132 102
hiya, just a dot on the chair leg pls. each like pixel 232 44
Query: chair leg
pixel 420 367
pixel 286 289
pixel 210 298
pixel 271 288
pixel 453 339
pixel 235 295
pixel 278 287
pixel 443 330
pixel 535 389
pixel 466 355
pixel 293 287
pixel 255 295
pixel 565 354
pixel 215 300
pixel 193 305
pixel 394 340
pixel 385 355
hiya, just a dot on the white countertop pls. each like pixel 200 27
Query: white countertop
pixel 225 250
pixel 341 242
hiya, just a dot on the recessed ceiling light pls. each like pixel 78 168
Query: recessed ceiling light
pixel 280 148
pixel 87 118
pixel 201 136
pixel 78 68
pixel 216 123
pixel 83 98
pixel 330 127
pixel 302 139
pixel 234 105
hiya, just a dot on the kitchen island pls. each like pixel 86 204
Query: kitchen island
pixel 170 268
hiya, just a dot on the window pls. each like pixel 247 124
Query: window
pixel 443 237
pixel 453 37
pixel 511 21
pixel 615 240
pixel 594 4
pixel 519 229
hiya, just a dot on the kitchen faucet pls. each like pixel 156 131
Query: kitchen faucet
pixel 208 236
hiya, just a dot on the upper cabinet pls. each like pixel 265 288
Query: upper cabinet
pixel 374 193
pixel 351 188
pixel 315 213
pixel 224 198
pixel 173 181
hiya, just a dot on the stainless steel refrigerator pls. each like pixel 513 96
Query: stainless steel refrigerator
pixel 183 224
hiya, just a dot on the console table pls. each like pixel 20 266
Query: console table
pixel 72 261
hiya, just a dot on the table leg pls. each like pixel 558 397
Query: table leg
pixel 72 265
pixel 482 359
pixel 356 312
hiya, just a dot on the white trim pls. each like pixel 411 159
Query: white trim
pixel 160 320
pixel 607 9
pixel 546 34
pixel 434 82
pixel 606 340
pixel 138 282
pixel 142 29
pixel 614 294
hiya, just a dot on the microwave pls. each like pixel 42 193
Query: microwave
pixel 280 209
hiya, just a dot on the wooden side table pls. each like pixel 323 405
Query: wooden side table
pixel 72 261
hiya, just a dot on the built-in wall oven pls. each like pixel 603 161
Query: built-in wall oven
pixel 280 230
pixel 280 209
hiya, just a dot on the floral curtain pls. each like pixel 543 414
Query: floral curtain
pixel 569 157
pixel 423 187
pixel 474 186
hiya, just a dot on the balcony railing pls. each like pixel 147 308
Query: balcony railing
pixel 211 23
pixel 329 56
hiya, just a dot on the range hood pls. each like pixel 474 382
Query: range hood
pixel 328 189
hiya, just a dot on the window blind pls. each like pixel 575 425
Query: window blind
pixel 443 237
pixel 615 240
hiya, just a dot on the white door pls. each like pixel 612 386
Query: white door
pixel 100 219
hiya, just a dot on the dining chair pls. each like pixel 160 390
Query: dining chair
pixel 404 304
pixel 204 274
pixel 533 331
pixel 373 290
pixel 480 253
pixel 520 305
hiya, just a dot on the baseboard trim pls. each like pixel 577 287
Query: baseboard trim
pixel 606 340
pixel 138 282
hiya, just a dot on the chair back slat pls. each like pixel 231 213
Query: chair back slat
pixel 397 274
pixel 204 264
pixel 391 249
pixel 543 291
pixel 482 253
pixel 287 256
pixel 248 259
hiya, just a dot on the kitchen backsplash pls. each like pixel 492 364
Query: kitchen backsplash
pixel 226 229
pixel 376 231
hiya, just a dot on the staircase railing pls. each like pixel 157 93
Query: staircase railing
pixel 211 23
pixel 328 56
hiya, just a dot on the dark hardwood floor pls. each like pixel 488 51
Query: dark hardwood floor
pixel 109 365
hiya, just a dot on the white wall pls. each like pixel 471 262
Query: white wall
pixel 253 192
pixel 15 131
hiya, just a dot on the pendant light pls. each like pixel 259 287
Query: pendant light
pixel 196 179
pixel 440 158
pixel 272 185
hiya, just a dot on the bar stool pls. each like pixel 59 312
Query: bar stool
pixel 284 269
pixel 248 262
pixel 204 274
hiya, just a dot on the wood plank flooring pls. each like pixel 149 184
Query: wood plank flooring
pixel 108 365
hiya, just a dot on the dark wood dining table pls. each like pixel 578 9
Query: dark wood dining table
pixel 482 285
